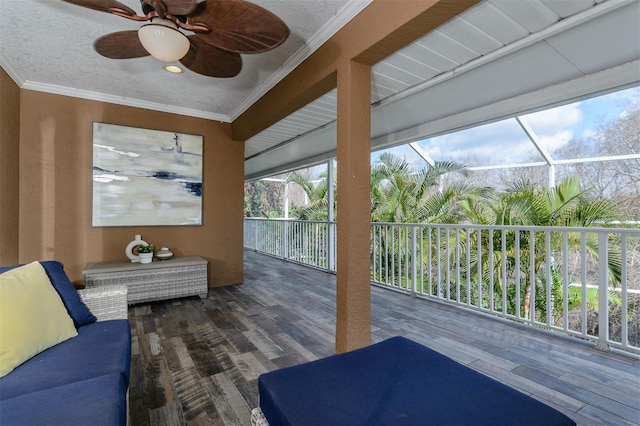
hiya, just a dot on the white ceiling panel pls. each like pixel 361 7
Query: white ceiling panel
pixel 532 15
pixel 383 86
pixel 422 52
pixel 405 77
pixel 495 23
pixel 449 47
pixel 410 65
pixel 470 36
pixel 615 38
pixel 314 115
pixel 564 8
pixel 317 146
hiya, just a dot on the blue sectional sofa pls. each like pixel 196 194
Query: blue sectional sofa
pixel 83 380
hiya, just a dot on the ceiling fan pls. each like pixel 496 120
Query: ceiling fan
pixel 223 29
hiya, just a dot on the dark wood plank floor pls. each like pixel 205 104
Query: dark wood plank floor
pixel 197 361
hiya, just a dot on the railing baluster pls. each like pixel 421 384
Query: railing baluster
pixel 584 282
pixel 408 259
pixel 448 267
pixel 421 259
pixel 439 256
pixel 565 281
pixel 380 248
pixel 548 260
pixel 414 268
pixel 430 256
pixel 503 269
pixel 532 278
pixel 401 253
pixel 624 321
pixel 468 231
pixel 603 309
pixel 386 254
pixel 374 251
pixel 517 275
pixel 480 295
pixel 457 265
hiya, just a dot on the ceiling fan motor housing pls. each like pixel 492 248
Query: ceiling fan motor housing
pixel 147 9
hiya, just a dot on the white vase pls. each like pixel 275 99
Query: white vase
pixel 146 257
pixel 133 244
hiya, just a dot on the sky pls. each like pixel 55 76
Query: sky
pixel 505 142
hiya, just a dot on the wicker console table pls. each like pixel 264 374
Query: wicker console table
pixel 158 280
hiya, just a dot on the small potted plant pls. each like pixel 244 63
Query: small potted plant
pixel 146 253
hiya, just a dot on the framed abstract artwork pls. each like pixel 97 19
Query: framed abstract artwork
pixel 144 177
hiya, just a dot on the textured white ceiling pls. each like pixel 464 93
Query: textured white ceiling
pixel 48 45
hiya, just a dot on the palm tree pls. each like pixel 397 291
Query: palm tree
pixel 401 195
pixel 524 204
pixel 308 240
pixel 316 190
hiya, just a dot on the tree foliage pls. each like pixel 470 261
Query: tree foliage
pixel 401 195
pixel 316 191
pixel 263 199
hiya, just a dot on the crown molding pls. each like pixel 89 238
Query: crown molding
pixel 15 75
pixel 101 97
pixel 119 100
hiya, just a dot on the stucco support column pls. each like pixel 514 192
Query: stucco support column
pixel 353 322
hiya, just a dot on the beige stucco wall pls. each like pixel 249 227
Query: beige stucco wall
pixel 55 161
pixel 9 190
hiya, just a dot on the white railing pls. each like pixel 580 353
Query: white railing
pixel 555 278
pixel 311 243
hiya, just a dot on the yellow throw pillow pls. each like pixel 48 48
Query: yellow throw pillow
pixel 32 316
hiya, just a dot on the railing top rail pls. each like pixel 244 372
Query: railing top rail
pixel 599 229
pixel 635 231
pixel 280 219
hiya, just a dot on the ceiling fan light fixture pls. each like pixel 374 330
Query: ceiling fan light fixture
pixel 174 69
pixel 163 41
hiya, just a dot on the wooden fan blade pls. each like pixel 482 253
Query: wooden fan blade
pixel 208 60
pixel 239 26
pixel 172 7
pixel 104 6
pixel 120 45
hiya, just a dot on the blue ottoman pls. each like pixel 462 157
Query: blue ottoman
pixel 395 382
